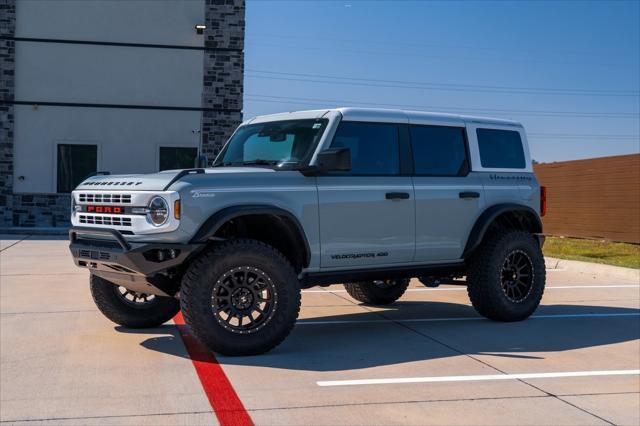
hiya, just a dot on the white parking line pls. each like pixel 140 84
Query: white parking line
pixel 478 378
pixel 465 289
pixel 550 316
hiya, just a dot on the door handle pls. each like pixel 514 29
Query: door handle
pixel 469 194
pixel 397 195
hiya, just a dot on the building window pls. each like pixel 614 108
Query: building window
pixel 501 149
pixel 172 158
pixel 439 151
pixel 75 163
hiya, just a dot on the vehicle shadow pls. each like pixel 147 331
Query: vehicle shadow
pixel 334 347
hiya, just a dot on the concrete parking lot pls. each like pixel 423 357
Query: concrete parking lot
pixel 427 359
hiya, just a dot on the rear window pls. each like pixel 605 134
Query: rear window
pixel 439 151
pixel 500 149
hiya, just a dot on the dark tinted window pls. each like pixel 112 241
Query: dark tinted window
pixel 172 158
pixel 374 147
pixel 500 149
pixel 75 163
pixel 438 150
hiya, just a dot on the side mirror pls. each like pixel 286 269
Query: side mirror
pixel 334 159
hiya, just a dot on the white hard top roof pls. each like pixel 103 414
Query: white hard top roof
pixel 384 115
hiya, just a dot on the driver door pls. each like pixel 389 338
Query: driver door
pixel 367 215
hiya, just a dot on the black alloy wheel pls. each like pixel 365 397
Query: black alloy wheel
pixel 240 297
pixel 517 276
pixel 244 300
pixel 506 275
pixel 134 299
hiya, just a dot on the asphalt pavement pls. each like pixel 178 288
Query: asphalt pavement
pixel 427 359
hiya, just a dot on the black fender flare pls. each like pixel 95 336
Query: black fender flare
pixel 487 217
pixel 219 218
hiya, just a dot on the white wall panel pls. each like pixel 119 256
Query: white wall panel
pixel 108 74
pixel 126 21
pixel 128 139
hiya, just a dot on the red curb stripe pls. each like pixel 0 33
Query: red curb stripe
pixel 223 398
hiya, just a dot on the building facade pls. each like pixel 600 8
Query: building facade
pixel 123 87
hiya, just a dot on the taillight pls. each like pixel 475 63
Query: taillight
pixel 543 200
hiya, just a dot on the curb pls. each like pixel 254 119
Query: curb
pixel 34 231
pixel 593 268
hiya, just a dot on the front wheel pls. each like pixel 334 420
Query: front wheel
pixel 378 292
pixel 130 308
pixel 240 298
pixel 506 276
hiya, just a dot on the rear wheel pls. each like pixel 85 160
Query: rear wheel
pixel 241 298
pixel 506 276
pixel 130 308
pixel 377 292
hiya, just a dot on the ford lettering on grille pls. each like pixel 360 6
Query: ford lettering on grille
pixel 104 209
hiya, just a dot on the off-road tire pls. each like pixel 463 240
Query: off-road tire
pixel 197 291
pixel 370 293
pixel 112 306
pixel 485 275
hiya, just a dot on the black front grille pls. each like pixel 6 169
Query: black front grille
pixel 95 254
pixel 105 220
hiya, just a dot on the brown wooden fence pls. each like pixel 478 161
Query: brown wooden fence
pixel 595 198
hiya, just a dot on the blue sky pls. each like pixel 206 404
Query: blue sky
pixel 569 71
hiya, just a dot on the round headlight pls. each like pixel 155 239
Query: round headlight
pixel 158 211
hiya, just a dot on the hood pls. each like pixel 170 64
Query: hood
pixel 156 181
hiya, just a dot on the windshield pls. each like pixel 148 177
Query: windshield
pixel 276 143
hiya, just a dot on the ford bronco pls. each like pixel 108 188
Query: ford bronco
pixel 366 197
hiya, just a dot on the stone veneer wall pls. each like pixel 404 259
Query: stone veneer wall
pixel 223 72
pixel 222 90
pixel 7 67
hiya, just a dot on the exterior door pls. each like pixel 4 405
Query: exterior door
pixel 449 197
pixel 367 215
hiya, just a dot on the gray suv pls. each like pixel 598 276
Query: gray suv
pixel 366 197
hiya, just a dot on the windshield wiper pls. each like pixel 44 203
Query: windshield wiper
pixel 256 162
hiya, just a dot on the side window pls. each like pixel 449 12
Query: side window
pixel 438 150
pixel 500 149
pixel 375 147
pixel 172 158
pixel 75 163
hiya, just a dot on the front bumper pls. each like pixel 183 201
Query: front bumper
pixel 152 268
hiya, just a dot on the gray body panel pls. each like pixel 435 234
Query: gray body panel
pixel 443 219
pixel 359 226
pixel 347 220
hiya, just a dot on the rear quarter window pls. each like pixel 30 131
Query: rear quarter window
pixel 500 149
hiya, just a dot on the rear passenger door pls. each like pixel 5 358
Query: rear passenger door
pixel 448 195
pixel 367 215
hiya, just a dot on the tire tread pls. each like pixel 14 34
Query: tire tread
pixel 481 272
pixel 115 310
pixel 191 283
pixel 366 292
